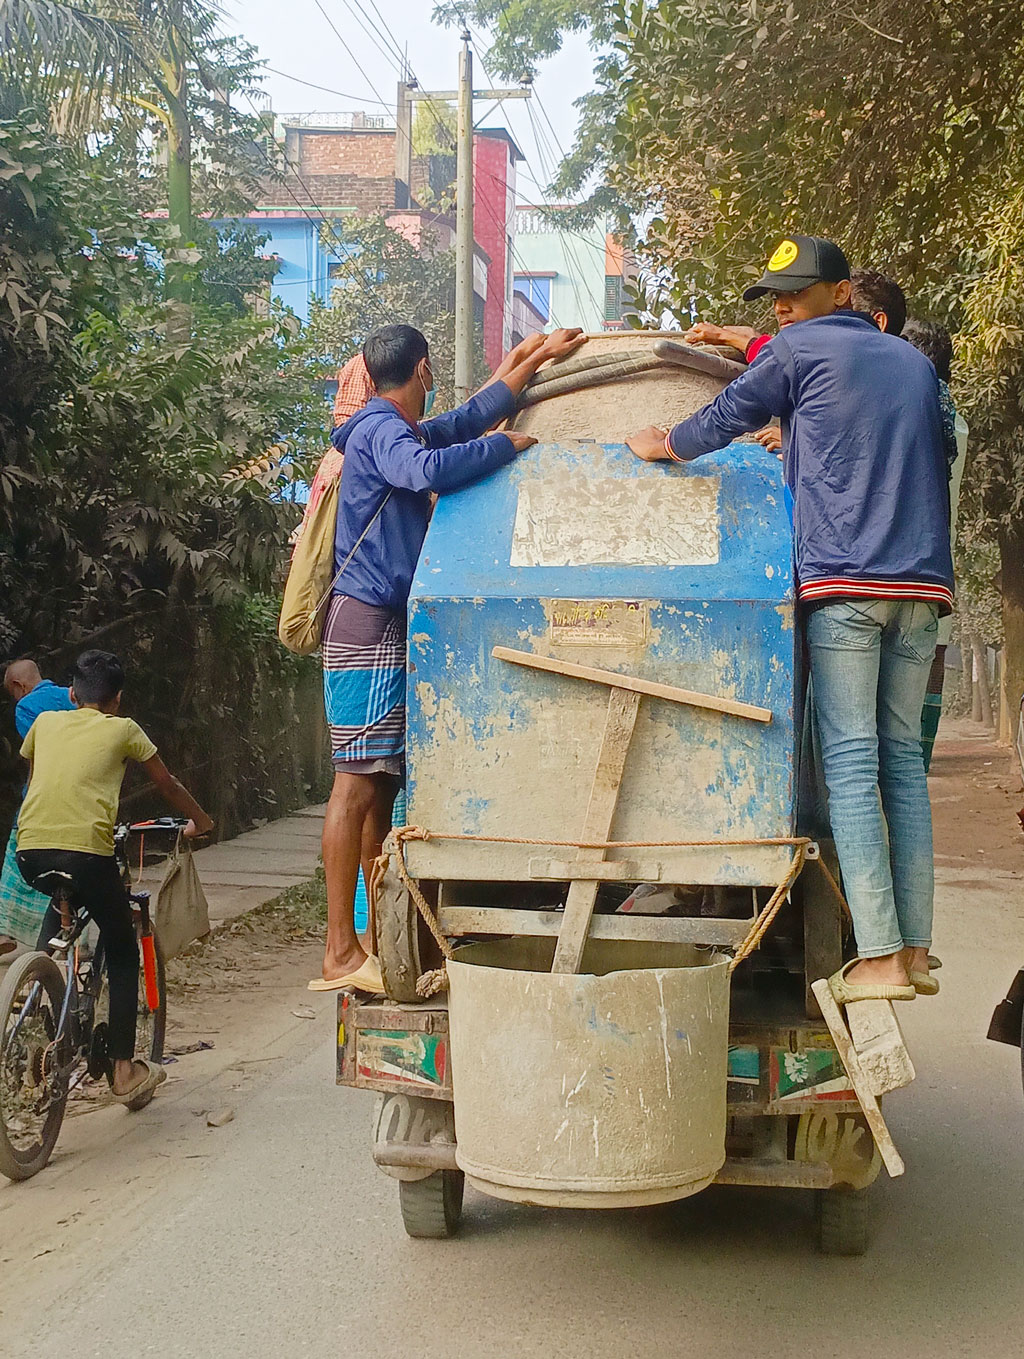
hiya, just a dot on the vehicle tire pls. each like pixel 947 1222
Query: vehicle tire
pixel 24 1065
pixel 396 922
pixel 432 1208
pixel 842 1221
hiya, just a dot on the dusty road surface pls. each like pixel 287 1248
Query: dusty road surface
pixel 275 1236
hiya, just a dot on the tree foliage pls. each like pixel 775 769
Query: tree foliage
pixel 396 281
pixel 894 129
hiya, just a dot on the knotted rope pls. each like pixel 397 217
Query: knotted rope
pixel 430 983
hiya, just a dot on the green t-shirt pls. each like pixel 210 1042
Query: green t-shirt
pixel 78 761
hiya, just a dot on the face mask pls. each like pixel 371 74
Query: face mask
pixel 428 397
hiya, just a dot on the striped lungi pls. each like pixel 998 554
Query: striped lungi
pixel 21 907
pixel 364 686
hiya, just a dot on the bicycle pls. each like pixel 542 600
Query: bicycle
pixel 53 1026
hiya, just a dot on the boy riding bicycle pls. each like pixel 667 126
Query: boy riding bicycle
pixel 77 761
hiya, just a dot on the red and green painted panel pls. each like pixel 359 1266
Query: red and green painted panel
pixel 402 1056
pixel 781 1077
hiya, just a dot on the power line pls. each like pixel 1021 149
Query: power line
pixel 358 98
pixel 342 246
pixel 394 40
pixel 366 24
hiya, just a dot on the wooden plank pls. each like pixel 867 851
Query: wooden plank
pixel 891 1158
pixel 630 682
pixel 623 707
pixel 567 870
pixel 460 920
pixel 881 1049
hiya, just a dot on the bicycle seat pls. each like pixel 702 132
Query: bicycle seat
pixel 53 881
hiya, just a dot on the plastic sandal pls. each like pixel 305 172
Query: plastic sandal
pixel 924 983
pixel 155 1075
pixel 845 993
pixel 365 978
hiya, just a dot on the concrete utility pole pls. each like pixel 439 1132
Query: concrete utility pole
pixel 403 145
pixel 408 94
pixel 464 228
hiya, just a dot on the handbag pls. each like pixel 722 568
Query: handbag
pixel 310 582
pixel 181 912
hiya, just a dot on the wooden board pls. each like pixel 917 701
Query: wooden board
pixel 891 1158
pixel 630 682
pixel 623 707
pixel 463 920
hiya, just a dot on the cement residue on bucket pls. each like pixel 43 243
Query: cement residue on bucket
pixel 603 1089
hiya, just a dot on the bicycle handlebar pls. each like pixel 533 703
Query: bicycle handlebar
pixel 159 823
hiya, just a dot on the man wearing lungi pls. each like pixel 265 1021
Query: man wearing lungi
pixel 394 461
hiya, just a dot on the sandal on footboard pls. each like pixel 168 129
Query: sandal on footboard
pixel 845 993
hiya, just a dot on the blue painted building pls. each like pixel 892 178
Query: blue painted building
pixel 309 265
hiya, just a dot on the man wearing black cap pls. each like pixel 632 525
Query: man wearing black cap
pixel 865 462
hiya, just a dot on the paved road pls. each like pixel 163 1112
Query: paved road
pixel 276 1236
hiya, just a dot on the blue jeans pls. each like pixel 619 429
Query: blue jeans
pixel 869 669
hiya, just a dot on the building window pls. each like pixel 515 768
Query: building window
pixel 537 292
pixel 613 297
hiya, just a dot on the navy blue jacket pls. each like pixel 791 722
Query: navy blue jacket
pixel 384 451
pixel 864 455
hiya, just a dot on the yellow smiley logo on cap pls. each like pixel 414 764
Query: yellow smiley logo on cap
pixel 784 256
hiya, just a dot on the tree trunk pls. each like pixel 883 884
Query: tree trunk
pixel 981 710
pixel 179 174
pixel 1011 552
pixel 976 669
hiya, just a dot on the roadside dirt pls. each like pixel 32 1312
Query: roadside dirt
pixel 976 793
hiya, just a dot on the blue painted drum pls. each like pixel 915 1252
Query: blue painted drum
pixel 676 574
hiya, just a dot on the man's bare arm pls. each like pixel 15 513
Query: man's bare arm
pixel 175 792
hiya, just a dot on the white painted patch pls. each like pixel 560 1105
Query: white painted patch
pixel 665 521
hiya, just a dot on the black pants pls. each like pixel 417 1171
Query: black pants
pixel 99 891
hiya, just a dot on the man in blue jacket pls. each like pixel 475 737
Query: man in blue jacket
pixel 395 462
pixel 865 463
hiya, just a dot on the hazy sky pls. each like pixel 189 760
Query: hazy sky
pixel 295 37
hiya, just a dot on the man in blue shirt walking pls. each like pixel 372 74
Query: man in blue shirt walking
pixel 865 463
pixel 21 908
pixel 395 462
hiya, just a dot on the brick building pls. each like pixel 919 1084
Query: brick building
pixel 346 163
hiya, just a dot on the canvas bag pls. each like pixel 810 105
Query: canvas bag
pixel 181 913
pixel 311 577
pixel 309 582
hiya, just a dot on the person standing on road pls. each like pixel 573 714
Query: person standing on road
pixel 394 462
pixel 21 908
pixel 935 341
pixel 866 466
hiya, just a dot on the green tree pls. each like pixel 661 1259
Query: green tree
pixel 894 129
pixel 397 282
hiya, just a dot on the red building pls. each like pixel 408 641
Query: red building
pixel 495 156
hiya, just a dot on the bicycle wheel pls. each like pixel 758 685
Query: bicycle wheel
pixel 33 1066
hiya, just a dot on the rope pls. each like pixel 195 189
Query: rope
pixel 403 833
pixel 430 983
pixel 761 925
pixel 836 891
